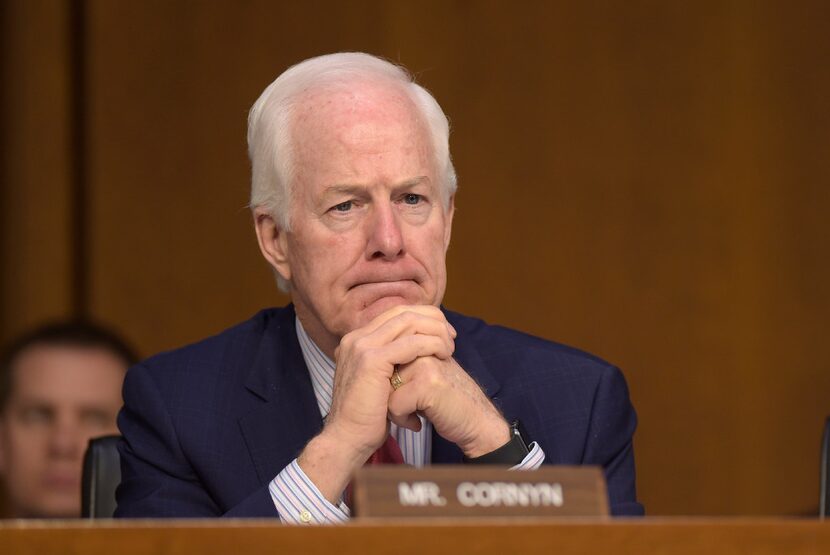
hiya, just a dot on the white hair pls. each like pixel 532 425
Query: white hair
pixel 271 116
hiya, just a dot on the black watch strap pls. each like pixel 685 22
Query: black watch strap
pixel 511 453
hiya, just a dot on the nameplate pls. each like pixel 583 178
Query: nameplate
pixel 464 490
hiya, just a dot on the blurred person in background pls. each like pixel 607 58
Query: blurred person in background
pixel 60 385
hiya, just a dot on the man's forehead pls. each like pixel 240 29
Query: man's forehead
pixel 342 130
pixel 332 111
pixel 68 351
pixel 66 365
pixel 67 378
pixel 354 95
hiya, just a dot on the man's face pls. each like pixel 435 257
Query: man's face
pixel 61 397
pixel 368 227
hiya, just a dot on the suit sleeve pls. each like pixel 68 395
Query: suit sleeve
pixel 156 477
pixel 609 442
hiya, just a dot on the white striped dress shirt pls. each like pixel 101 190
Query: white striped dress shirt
pixel 298 500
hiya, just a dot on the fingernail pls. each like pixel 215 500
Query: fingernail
pixel 451 329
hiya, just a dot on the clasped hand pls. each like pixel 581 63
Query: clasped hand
pixel 420 342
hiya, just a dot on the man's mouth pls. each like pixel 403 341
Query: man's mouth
pixel 373 290
pixel 61 480
pixel 384 282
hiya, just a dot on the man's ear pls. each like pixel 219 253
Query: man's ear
pixel 450 211
pixel 273 242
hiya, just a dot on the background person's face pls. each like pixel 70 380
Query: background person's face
pixel 369 229
pixel 61 397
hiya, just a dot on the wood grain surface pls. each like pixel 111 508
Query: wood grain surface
pixel 478 536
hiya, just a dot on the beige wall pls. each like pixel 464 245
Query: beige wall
pixel 645 180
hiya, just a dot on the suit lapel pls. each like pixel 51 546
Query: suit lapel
pixel 466 354
pixel 285 414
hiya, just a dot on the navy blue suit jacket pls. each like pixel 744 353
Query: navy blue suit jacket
pixel 207 427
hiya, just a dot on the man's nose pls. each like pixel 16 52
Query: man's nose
pixel 67 440
pixel 385 234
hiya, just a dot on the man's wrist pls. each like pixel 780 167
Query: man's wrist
pixel 510 453
pixel 329 464
pixel 496 436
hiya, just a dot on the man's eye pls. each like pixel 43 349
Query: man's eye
pixel 343 206
pixel 36 415
pixel 97 418
pixel 412 198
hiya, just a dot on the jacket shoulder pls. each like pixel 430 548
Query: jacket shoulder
pixel 518 349
pixel 220 354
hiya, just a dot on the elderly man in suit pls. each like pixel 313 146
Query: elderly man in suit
pixel 353 196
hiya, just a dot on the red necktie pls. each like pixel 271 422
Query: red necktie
pixel 388 453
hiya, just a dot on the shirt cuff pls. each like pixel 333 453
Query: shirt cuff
pixel 298 501
pixel 532 460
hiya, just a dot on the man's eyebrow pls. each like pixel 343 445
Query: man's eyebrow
pixel 351 189
pixel 343 188
pixel 412 182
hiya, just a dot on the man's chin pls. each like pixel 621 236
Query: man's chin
pixel 61 507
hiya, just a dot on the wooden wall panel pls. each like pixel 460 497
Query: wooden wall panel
pixel 36 223
pixel 647 181
pixel 170 87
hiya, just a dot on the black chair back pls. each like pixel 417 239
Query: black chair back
pixel 101 475
pixel 824 494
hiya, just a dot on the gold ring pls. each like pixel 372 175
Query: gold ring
pixel 396 380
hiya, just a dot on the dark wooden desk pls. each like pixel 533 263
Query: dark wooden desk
pixel 709 536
